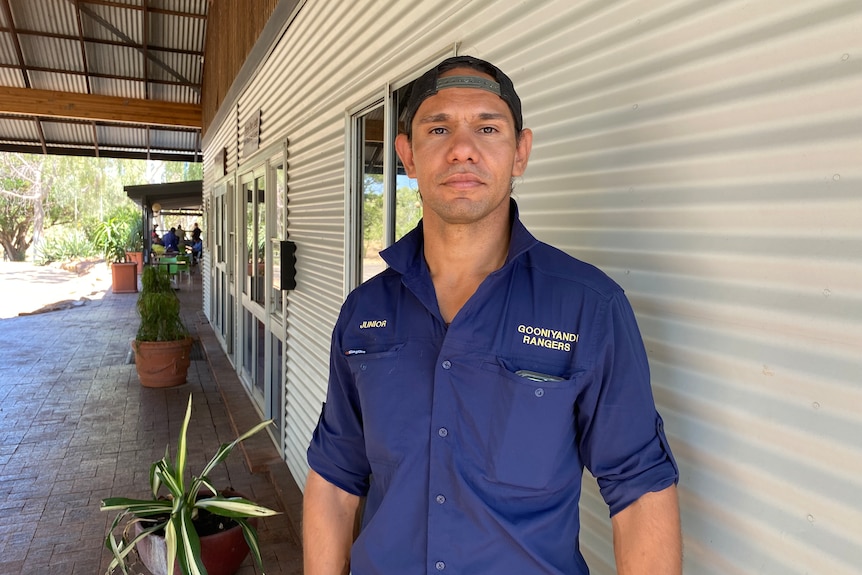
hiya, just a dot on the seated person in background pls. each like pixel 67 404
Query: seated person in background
pixel 197 251
pixel 170 241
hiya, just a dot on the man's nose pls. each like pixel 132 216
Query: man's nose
pixel 462 146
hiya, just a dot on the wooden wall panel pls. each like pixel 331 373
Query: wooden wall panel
pixel 232 30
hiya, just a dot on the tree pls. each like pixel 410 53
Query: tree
pixel 39 191
pixel 23 189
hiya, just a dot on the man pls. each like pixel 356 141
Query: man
pixel 472 381
pixel 170 240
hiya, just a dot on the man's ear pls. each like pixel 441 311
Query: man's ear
pixel 522 152
pixel 405 152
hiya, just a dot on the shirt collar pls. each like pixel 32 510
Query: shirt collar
pixel 405 255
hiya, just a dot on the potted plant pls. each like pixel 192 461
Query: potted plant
pixel 111 239
pixel 167 530
pixel 162 345
pixel 135 243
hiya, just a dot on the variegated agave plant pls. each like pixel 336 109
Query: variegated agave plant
pixel 174 514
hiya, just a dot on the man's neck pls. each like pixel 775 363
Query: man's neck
pixel 460 257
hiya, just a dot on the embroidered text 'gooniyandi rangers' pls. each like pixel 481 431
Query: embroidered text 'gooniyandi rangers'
pixel 547 338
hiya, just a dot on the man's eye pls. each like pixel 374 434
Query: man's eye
pixel 438 130
pixel 488 129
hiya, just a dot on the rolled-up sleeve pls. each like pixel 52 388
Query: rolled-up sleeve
pixel 337 448
pixel 621 435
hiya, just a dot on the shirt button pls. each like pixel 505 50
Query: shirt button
pixel 441 499
pixel 362 366
pixel 447 364
pixel 539 392
pixel 440 566
pixel 442 432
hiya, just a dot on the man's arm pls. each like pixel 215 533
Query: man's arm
pixel 647 535
pixel 329 517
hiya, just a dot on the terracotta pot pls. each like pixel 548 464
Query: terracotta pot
pixel 138 258
pixel 124 277
pixel 222 553
pixel 162 363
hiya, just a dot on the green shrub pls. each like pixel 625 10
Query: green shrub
pixel 61 244
pixel 159 308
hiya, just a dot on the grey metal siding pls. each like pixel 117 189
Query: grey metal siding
pixel 707 156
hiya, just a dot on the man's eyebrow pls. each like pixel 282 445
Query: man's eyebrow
pixel 444 117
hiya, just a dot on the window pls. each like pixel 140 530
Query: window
pixel 386 203
pixel 279 233
pixel 255 239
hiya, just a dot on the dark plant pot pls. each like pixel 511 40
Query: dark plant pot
pixel 222 553
pixel 162 363
pixel 138 258
pixel 124 277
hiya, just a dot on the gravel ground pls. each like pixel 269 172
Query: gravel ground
pixel 27 288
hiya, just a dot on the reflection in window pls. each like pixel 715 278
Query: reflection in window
pixel 255 239
pixel 248 268
pixel 386 210
pixel 260 240
pixel 276 300
pixel 408 204
pixel 370 130
pixel 276 402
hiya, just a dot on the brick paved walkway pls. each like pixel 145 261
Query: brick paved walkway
pixel 76 426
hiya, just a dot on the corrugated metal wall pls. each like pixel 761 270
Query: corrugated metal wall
pixel 708 156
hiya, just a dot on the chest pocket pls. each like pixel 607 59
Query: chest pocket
pixel 532 442
pixel 390 396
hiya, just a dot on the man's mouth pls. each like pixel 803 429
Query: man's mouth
pixel 462 180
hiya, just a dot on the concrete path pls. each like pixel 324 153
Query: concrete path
pixel 76 426
pixel 27 288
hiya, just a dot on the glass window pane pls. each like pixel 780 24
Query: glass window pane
pixel 277 386
pixel 408 204
pixel 275 296
pixel 372 240
pixel 280 203
pixel 249 244
pixel 260 240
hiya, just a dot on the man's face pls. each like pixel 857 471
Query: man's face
pixel 464 153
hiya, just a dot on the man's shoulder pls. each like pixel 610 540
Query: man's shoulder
pixel 556 265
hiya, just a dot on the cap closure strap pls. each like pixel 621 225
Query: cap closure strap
pixel 468 82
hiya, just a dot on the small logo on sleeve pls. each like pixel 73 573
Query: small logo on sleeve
pixel 372 323
pixel 547 338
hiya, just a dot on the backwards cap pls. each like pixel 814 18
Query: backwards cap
pixel 430 83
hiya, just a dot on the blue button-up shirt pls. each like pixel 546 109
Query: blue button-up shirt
pixel 469 441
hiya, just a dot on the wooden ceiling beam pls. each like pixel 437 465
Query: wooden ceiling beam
pixel 50 104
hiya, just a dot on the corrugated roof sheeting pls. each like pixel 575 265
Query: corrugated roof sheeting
pixel 23 129
pixel 117 88
pixel 57 82
pixel 172 93
pixel 116 70
pixel 181 33
pixel 173 140
pixel 186 6
pixel 123 61
pixel 115 136
pixel 67 132
pixel 11 77
pixel 45 16
pixel 102 22
pixel 187 66
pixel 55 53
pixel 7 49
